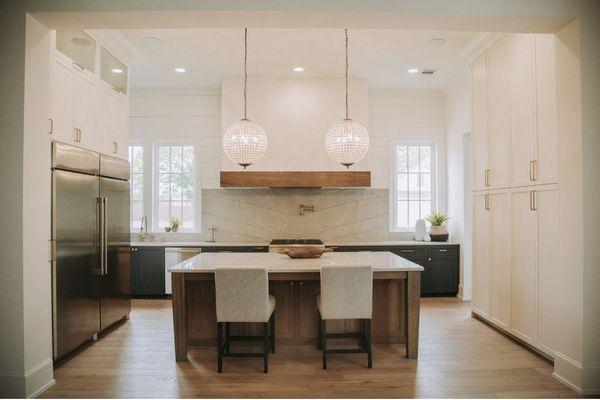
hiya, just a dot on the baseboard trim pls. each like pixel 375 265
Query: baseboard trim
pixel 30 384
pixel 464 292
pixel 585 381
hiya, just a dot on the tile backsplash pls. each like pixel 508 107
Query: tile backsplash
pixel 259 215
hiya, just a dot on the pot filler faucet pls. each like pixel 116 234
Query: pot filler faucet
pixel 306 207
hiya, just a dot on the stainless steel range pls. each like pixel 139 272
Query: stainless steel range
pixel 278 244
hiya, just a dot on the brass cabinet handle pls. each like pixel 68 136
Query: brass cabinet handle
pixel 533 170
pixel 487 202
pixel 487 177
pixel 406 251
pixel 533 200
pixel 116 90
pixel 77 135
pixel 51 128
pixel 75 64
pixel 442 250
pixel 115 147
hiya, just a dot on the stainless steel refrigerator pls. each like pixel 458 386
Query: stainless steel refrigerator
pixel 91 268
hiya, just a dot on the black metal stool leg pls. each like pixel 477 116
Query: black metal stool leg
pixel 273 332
pixel 324 342
pixel 369 344
pixel 265 347
pixel 219 347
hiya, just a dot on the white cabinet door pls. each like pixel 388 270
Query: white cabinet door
pixel 85 110
pixel 62 89
pixel 499 203
pixel 547 150
pixel 520 61
pixel 479 134
pixel 481 255
pixel 122 137
pixel 498 130
pixel 104 125
pixel 549 283
pixel 524 227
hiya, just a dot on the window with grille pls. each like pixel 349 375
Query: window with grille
pixel 175 185
pixel 414 183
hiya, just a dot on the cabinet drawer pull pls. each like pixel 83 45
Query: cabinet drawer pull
pixel 75 64
pixel 301 283
pixel 51 127
pixel 292 283
pixel 115 147
pixel 443 250
pixel 487 177
pixel 533 170
pixel 407 251
pixel 487 202
pixel 533 200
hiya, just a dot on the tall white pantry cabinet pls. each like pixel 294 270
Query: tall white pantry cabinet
pixel 515 188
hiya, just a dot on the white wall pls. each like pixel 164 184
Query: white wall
pixel 296 114
pixel 458 122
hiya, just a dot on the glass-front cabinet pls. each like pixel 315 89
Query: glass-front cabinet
pixel 78 46
pixel 113 71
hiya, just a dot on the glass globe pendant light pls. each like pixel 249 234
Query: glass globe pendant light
pixel 245 142
pixel 347 142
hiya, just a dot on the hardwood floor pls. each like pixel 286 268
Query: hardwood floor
pixel 458 357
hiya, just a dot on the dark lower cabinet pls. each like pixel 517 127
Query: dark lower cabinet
pixel 148 271
pixel 441 264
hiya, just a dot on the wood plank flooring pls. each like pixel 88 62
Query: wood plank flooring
pixel 458 357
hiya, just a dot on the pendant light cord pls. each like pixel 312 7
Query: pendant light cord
pixel 346 30
pixel 245 74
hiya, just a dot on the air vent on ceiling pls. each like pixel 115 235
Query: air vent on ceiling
pixel 428 71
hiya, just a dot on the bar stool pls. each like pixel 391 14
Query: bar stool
pixel 346 293
pixel 242 295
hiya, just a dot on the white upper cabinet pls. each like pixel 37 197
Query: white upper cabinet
pixel 62 102
pixel 479 135
pixel 497 112
pixel 87 109
pixel 546 162
pixel 521 69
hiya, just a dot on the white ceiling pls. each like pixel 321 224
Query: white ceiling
pixel 381 56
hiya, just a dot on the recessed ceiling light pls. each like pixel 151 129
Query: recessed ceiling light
pixel 180 70
pixel 413 70
pixel 437 41
pixel 298 69
pixel 117 70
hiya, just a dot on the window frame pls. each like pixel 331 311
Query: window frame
pixel 137 143
pixel 394 181
pixel 155 184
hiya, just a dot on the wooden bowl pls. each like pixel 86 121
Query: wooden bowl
pixel 305 252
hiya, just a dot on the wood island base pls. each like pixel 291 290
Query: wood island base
pixel 396 302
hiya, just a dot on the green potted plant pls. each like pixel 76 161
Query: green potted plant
pixel 438 231
pixel 175 223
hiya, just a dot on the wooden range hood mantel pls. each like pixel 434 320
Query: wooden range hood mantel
pixel 295 179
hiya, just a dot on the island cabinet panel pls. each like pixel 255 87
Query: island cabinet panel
pixel 388 306
pixel 201 301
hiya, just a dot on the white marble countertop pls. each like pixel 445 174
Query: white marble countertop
pixel 381 261
pixel 242 244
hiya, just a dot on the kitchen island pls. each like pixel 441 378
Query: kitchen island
pixel 295 285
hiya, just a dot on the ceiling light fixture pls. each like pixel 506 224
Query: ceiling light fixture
pixel 298 69
pixel 347 142
pixel 245 142
pixel 180 70
pixel 413 70
pixel 117 70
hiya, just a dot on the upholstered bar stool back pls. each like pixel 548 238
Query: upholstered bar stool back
pixel 242 294
pixel 346 292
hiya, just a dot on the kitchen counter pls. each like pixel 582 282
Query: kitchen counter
pixel 295 284
pixel 331 244
pixel 381 261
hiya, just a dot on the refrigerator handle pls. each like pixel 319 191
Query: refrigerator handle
pixel 104 238
pixel 101 212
